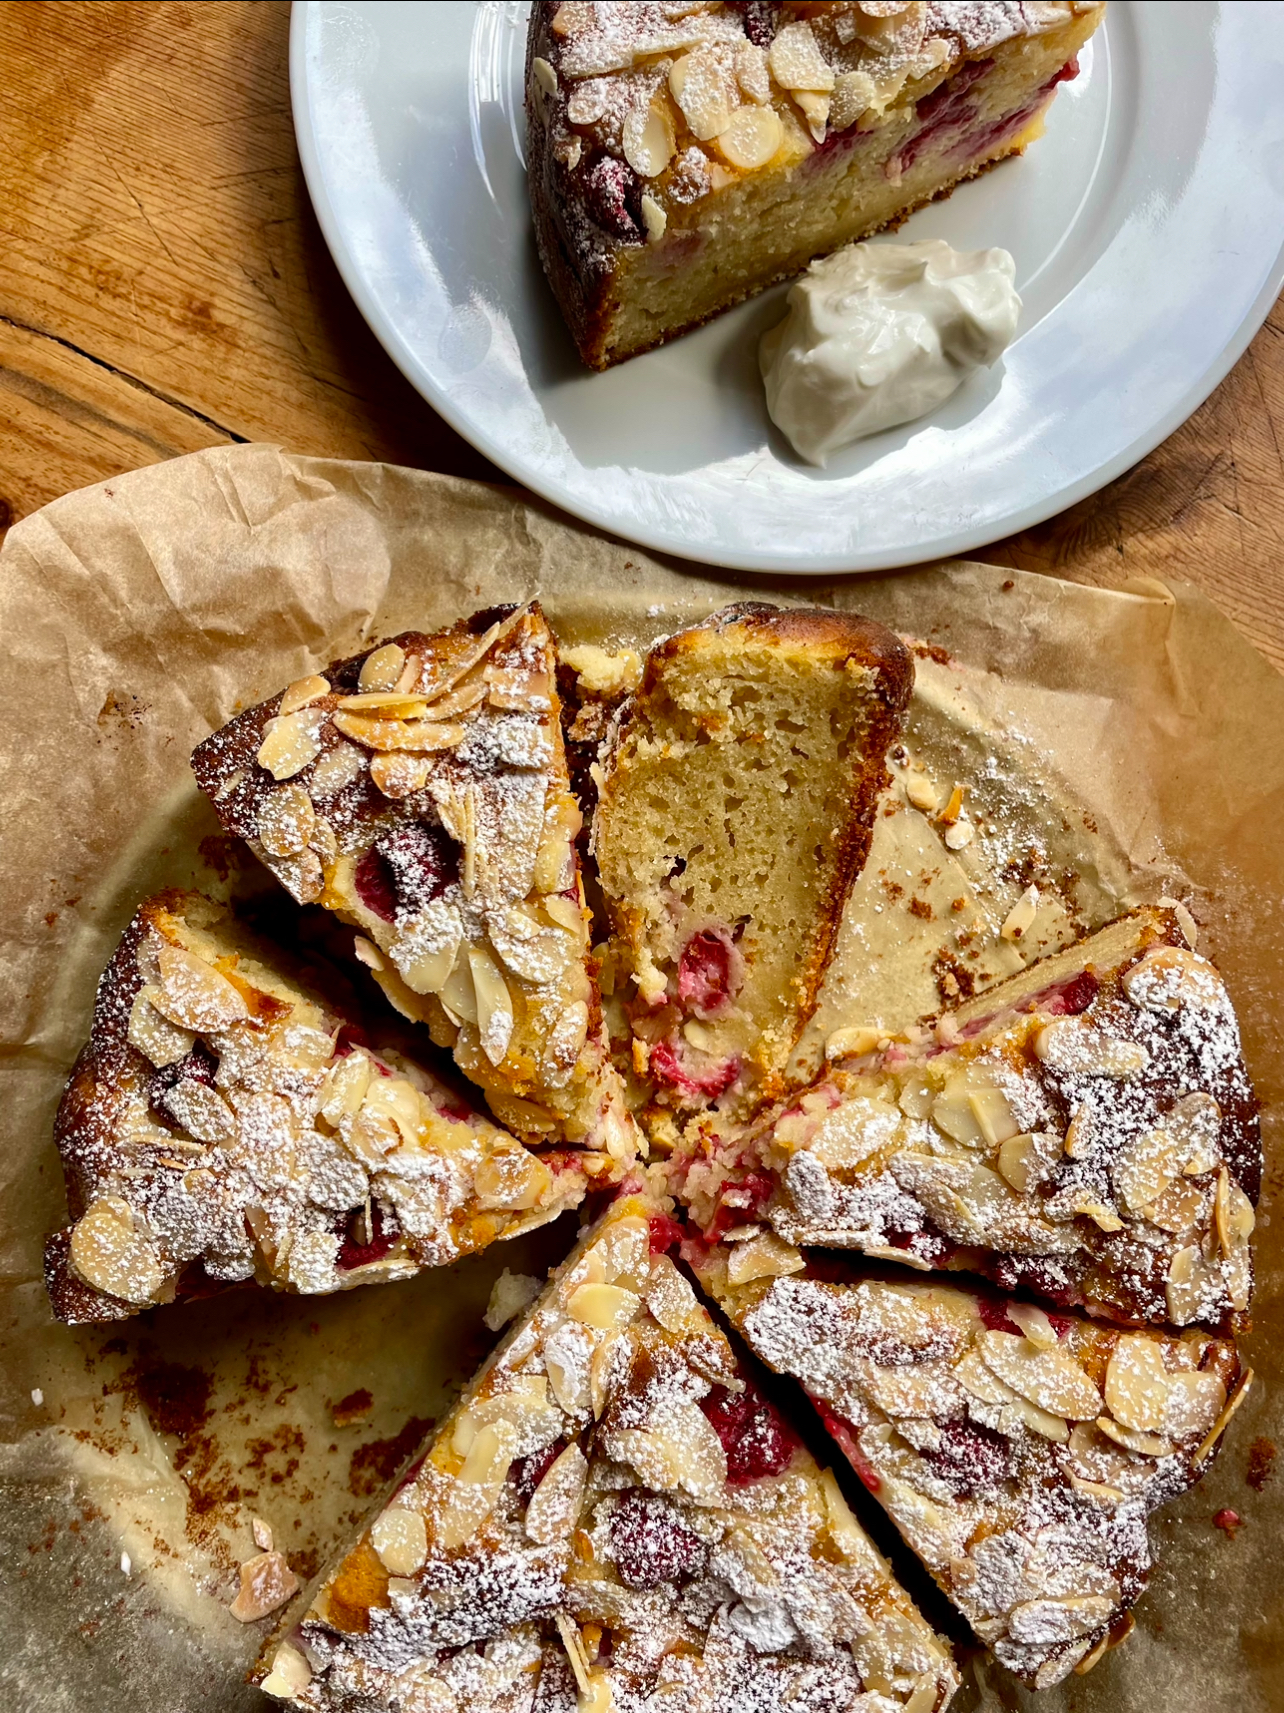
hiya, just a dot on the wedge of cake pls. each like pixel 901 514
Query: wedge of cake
pixel 613 1517
pixel 1089 1133
pixel 681 158
pixel 420 791
pixel 734 814
pixel 227 1123
pixel 1019 1453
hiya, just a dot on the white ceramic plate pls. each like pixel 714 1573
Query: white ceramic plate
pixel 1147 227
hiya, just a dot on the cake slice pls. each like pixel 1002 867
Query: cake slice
pixel 1089 1133
pixel 228 1122
pixel 682 158
pixel 613 1517
pixel 734 814
pixel 1019 1453
pixel 420 791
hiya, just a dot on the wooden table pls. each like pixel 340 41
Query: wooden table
pixel 164 286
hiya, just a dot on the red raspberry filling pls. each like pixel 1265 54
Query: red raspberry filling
pixel 668 1069
pixel 651 1543
pixel 710 972
pixel 755 1437
pixel 406 870
pixel 354 1254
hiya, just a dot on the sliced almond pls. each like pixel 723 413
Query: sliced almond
pixel 1021 1164
pixel 565 1044
pixel 1144 1444
pixel 385 705
pixel 993 1114
pixel 477 1485
pixel 469 693
pixel 1197 1121
pixel 654 219
pixel 1074 1048
pixel 567 1354
pixel 513 1179
pixel 815 110
pixel 418 735
pixel 201 1111
pixel 302 692
pixel 608 1308
pixel 382 667
pixel 428 953
pixel 400 1537
pixel 763 1257
pixel 1146 1167
pixel 1220 1425
pixel 399 774
pixel 291 742
pixel 1136 1388
pixel 1050 1379
pixel 193 994
pixel 1195 1400
pixel 1170 977
pixel 795 59
pixel 922 793
pixel 1233 1214
pixel 555 1504
pixel 684 1452
pixel 648 138
pixel 853 1042
pixel 752 72
pixel 1034 1324
pixel 153 1035
pixel 290 1674
pixel 110 1253
pixel 704 91
pixel 751 139
pixel 1062 1617
pixel 1107 1495
pixel 669 1296
pixel 1020 919
pixel 1180 1209
pixel 1193 1288
pixel 457 992
pixel 338 767
pixel 494 1004
pixel 345 1087
pixel 1081 1132
pixel 286 820
pixel 555 858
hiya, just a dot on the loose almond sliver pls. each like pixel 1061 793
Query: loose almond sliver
pixel 267 1582
pixel 302 692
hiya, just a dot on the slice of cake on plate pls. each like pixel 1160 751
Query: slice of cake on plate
pixel 420 791
pixel 1086 1130
pixel 226 1123
pixel 736 802
pixel 1019 1452
pixel 613 1517
pixel 682 158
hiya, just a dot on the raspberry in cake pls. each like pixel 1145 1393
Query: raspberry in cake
pixel 682 158
pixel 735 809
pixel 226 1124
pixel 1020 1453
pixel 420 791
pixel 614 1517
pixel 1089 1134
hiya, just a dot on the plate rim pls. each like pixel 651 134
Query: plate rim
pixel 958 543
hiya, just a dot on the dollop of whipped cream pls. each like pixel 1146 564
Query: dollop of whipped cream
pixel 878 334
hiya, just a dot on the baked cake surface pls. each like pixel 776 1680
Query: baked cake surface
pixel 614 1518
pixel 226 1124
pixel 1091 1135
pixel 734 814
pixel 1019 1453
pixel 420 791
pixel 682 157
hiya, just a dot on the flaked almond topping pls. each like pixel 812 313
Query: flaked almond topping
pixel 398 774
pixel 400 1537
pixel 567 1355
pixel 194 995
pixel 544 75
pixel 477 1485
pixel 608 1308
pixel 1060 1616
pixel 291 742
pixel 684 1453
pixel 1096 1490
pixel 470 693
pixel 267 1582
pixel 648 138
pixel 1020 1163
pixel 1193 1288
pixel 419 735
pixel 494 1004
pixel 301 876
pixel 1195 1399
pixel 153 1035
pixel 1050 1379
pixel 286 821
pixel 796 61
pixel 1220 1425
pixel 815 110
pixel 853 1042
pixel 555 858
pixel 201 1111
pixel 751 139
pixel 1034 1324
pixel 302 692
pixel 381 668
pixel 338 767
pixel 654 219
pixel 1136 1389
pixel 555 1503
pixel 387 704
pixel 669 1297
pixel 567 913
pixel 111 1253
pixel 1020 919
pixel 1170 977
pixel 702 88
pixel 765 1256
pixel 511 1179
pixel 1132 1439
pixel 345 1087
pixel 1075 1048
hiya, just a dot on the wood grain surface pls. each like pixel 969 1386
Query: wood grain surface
pixel 164 287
